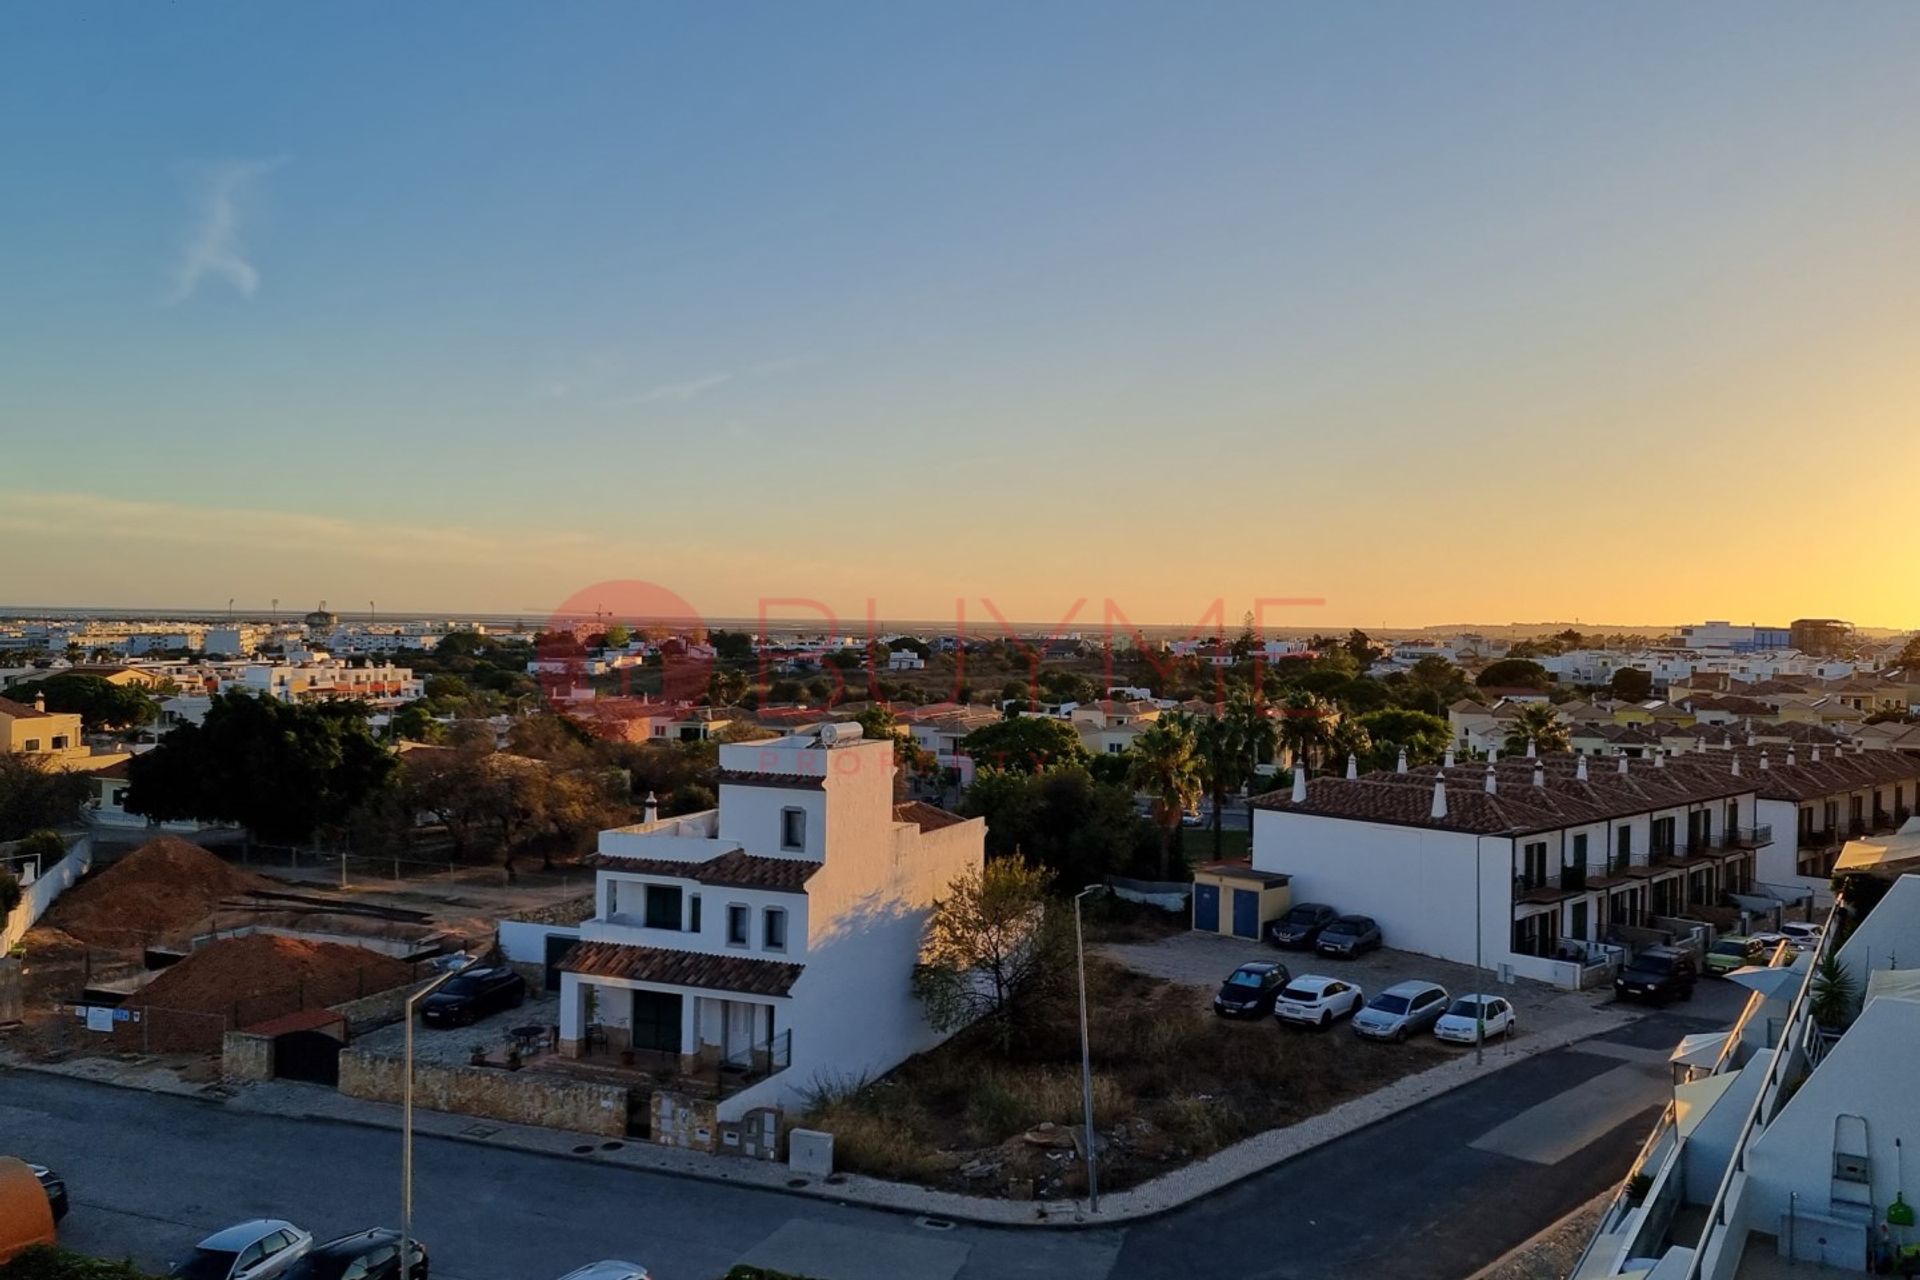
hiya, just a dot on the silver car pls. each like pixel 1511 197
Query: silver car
pixel 608 1270
pixel 248 1251
pixel 1401 1010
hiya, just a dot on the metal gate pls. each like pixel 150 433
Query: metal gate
pixel 307 1055
pixel 558 944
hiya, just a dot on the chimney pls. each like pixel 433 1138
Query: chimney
pixel 1623 764
pixel 1816 753
pixel 1532 750
pixel 1353 765
pixel 1539 775
pixel 1400 766
pixel 1700 745
pixel 40 703
pixel 1793 757
pixel 1765 764
pixel 1300 782
pixel 1493 756
pixel 1449 760
pixel 651 810
pixel 1580 769
pixel 1736 766
pixel 1492 784
pixel 1439 798
pixel 1753 739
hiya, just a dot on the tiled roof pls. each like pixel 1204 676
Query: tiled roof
pixel 752 778
pixel 734 869
pixel 705 970
pixel 928 817
pixel 21 711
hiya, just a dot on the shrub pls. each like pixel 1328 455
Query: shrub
pixel 43 1263
pixel 9 893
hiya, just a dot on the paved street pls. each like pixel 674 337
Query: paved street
pixel 1434 1192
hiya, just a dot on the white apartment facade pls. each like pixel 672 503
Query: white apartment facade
pixel 776 935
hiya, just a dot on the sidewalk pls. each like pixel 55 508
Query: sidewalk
pixel 1161 1195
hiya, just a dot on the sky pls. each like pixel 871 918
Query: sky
pixel 1429 313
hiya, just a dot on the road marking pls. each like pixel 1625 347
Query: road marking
pixel 812 1248
pixel 1624 1052
pixel 1549 1132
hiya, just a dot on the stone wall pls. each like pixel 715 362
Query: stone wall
pixel 380 1009
pixel 572 911
pixel 246 1056
pixel 693 1124
pixel 517 1097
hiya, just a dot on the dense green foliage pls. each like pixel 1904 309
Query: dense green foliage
pixel 44 1263
pixel 34 797
pixel 1025 744
pixel 100 704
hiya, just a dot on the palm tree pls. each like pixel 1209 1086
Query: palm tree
pixel 1228 747
pixel 1306 725
pixel 1539 724
pixel 1166 767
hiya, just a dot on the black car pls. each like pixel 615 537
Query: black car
pixel 1349 936
pixel 1658 974
pixel 1300 928
pixel 1249 991
pixel 54 1186
pixel 370 1255
pixel 473 995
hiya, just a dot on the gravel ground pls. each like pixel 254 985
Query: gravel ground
pixel 453 1046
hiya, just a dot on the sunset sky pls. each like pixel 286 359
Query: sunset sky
pixel 1442 313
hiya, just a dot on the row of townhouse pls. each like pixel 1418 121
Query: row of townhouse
pixel 1782 1151
pixel 1529 863
pixel 773 938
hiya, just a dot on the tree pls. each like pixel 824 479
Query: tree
pixel 1306 725
pixel 994 945
pixel 1631 684
pixel 1025 744
pixel 1228 747
pixel 727 687
pixel 618 636
pixel 1909 655
pixel 101 704
pixel 1540 727
pixel 1514 673
pixel 1424 737
pixel 34 796
pixel 283 770
pixel 1436 676
pixel 1166 767
pixel 415 723
pixel 1833 993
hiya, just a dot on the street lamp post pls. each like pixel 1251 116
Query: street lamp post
pixel 406 1121
pixel 1086 1051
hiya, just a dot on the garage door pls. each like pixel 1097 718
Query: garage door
pixel 1246 913
pixel 1206 907
pixel 307 1055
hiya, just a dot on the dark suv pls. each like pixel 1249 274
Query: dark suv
pixel 473 995
pixel 1300 928
pixel 1658 974
pixel 1249 991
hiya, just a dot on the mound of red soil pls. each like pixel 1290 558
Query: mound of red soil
pixel 266 976
pixel 161 891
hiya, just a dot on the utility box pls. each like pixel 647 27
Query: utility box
pixel 1236 901
pixel 810 1153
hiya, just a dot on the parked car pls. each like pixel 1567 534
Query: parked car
pixel 1349 936
pixel 1805 934
pixel 608 1271
pixel 1734 951
pixel 1317 1001
pixel 1300 928
pixel 369 1255
pixel 1401 1010
pixel 1463 1020
pixel 473 995
pixel 1249 991
pixel 1658 974
pixel 246 1251
pixel 26 1218
pixel 54 1185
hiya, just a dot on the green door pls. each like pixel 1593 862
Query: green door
pixel 656 1021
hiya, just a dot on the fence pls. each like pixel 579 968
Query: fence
pixel 37 895
pixel 345 867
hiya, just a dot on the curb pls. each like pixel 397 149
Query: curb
pixel 1214 1173
pixel 1596 1205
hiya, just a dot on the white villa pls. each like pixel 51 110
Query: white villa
pixel 770 941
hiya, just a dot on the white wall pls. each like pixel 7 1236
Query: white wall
pixel 524 943
pixel 48 885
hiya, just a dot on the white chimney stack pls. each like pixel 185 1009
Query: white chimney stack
pixel 651 809
pixel 1300 782
pixel 1580 769
pixel 1659 758
pixel 1353 765
pixel 1439 798
pixel 1400 766
pixel 1793 757
pixel 1736 766
pixel 1449 760
pixel 1492 784
pixel 1765 764
pixel 1539 775
pixel 1816 753
pixel 1532 749
pixel 1623 764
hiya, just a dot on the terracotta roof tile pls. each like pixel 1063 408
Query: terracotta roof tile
pixel 751 778
pixel 928 817
pixel 705 970
pixel 733 869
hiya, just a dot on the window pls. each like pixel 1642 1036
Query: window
pixel 738 924
pixel 1580 850
pixel 1623 849
pixel 793 828
pixel 60 742
pixel 773 929
pixel 1533 872
pixel 251 1256
pixel 693 913
pixel 663 907
pixel 33 744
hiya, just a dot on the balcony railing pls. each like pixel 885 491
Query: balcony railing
pixel 1661 849
pixel 1746 837
pixel 1856 827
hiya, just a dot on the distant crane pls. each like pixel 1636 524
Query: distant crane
pixel 276 610
pixel 370 611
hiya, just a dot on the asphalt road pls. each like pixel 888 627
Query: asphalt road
pixel 1434 1192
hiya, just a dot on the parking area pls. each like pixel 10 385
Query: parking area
pixel 1203 960
pixel 454 1046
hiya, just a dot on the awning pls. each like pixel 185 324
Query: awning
pixel 1895 853
pixel 1693 1100
pixel 1700 1049
pixel 1774 983
pixel 1895 984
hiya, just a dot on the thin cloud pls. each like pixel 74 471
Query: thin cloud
pixel 682 392
pixel 214 248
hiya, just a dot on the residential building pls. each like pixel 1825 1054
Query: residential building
pixel 1820 636
pixel 52 737
pixel 1783 1150
pixel 1549 857
pixel 776 934
pixel 1724 635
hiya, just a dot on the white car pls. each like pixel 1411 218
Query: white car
pixel 1462 1020
pixel 1804 934
pixel 249 1251
pixel 608 1270
pixel 1317 1001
